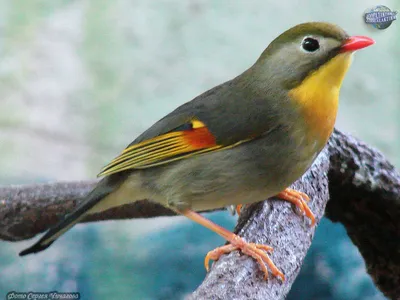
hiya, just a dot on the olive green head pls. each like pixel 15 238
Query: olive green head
pixel 299 51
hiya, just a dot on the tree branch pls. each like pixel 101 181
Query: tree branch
pixel 28 210
pixel 365 197
pixel 364 192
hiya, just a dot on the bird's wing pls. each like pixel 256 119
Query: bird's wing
pixel 186 139
pixel 216 120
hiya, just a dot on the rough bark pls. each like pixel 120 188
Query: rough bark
pixel 363 193
pixel 28 210
pixel 365 197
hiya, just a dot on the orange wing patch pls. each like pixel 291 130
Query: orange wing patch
pixel 165 148
pixel 199 138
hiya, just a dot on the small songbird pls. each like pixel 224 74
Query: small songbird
pixel 240 142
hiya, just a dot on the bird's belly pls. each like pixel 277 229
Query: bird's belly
pixel 213 201
pixel 255 185
pixel 240 175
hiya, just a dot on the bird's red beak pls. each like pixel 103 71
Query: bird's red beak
pixel 354 43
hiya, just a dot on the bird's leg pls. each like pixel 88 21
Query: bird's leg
pixel 239 209
pixel 235 209
pixel 300 200
pixel 236 243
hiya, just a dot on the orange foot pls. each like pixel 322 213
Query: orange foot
pixel 300 200
pixel 297 198
pixel 255 251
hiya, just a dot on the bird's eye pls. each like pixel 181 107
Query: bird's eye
pixel 310 44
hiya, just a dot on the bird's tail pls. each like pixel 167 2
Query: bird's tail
pixel 103 188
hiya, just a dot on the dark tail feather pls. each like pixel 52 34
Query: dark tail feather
pixel 103 188
pixel 37 247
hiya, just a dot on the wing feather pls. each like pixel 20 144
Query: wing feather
pixel 189 139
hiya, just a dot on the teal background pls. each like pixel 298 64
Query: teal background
pixel 79 80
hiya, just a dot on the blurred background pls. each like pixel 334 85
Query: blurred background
pixel 79 80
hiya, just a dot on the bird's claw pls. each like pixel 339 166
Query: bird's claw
pixel 299 199
pixel 253 250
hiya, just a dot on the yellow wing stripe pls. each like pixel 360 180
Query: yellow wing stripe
pixel 151 156
pixel 195 153
pixel 154 140
pixel 197 124
pixel 145 153
pixel 199 152
pixel 146 149
pixel 157 162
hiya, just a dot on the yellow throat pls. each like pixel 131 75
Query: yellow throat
pixel 318 95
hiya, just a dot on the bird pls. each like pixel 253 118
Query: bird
pixel 243 141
